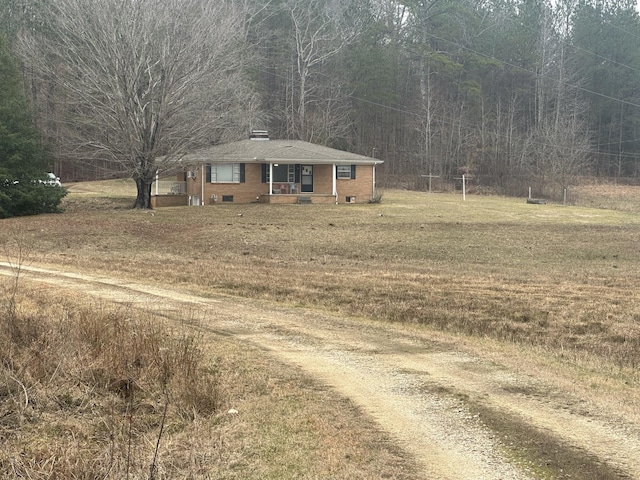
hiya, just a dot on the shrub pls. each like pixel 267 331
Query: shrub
pixel 104 378
pixel 29 198
pixel 377 198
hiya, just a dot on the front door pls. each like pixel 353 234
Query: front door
pixel 306 179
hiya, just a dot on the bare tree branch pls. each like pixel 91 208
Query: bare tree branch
pixel 321 30
pixel 144 79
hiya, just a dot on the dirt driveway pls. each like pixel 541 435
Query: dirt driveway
pixel 461 411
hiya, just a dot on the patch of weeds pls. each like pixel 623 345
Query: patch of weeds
pixel 110 377
pixel 377 198
pixel 67 401
pixel 443 391
pixel 541 452
pixel 411 371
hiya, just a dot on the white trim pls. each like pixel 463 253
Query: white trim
pixel 235 172
pixel 270 178
pixel 373 183
pixel 335 183
pixel 344 167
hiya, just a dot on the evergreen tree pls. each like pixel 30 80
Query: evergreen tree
pixel 23 158
pixel 608 38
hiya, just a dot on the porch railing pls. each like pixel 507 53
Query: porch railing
pixel 167 187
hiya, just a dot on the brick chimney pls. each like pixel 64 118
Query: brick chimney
pixel 259 135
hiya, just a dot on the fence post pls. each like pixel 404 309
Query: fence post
pixel 464 189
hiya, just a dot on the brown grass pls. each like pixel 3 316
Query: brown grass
pixel 558 277
pixel 608 196
pixel 85 387
pixel 562 280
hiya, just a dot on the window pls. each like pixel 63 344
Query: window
pixel 282 173
pixel 346 171
pixel 225 173
pixel 227 198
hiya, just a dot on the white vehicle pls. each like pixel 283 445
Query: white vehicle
pixel 52 180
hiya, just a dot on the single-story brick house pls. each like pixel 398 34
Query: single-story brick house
pixel 269 171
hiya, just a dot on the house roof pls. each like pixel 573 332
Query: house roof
pixel 276 151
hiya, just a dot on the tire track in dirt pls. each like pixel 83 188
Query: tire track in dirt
pixel 418 390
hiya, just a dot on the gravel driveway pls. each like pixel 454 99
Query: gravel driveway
pixel 459 410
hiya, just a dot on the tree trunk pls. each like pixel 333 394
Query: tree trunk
pixel 143 199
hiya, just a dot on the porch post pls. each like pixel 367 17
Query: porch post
pixel 270 178
pixel 373 185
pixel 335 187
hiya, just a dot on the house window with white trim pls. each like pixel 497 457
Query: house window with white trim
pixel 225 172
pixel 346 171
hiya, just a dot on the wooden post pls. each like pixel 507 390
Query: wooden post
pixel 430 177
pixel 464 189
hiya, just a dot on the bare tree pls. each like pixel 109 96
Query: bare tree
pixel 561 148
pixel 321 29
pixel 139 79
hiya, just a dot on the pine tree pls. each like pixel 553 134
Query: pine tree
pixel 23 158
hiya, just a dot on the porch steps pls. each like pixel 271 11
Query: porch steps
pixel 304 200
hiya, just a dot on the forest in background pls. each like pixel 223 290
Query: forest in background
pixel 512 93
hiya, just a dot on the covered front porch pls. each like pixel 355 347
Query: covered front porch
pixel 301 198
pixel 289 183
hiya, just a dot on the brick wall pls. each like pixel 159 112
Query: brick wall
pixel 169 201
pixel 252 187
pixel 361 187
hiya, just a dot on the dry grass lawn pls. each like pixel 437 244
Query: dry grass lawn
pixel 560 280
pixel 559 277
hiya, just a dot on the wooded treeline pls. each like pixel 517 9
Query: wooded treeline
pixel 512 93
